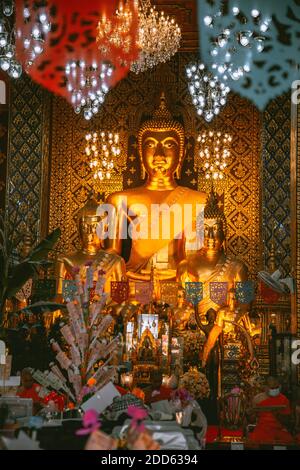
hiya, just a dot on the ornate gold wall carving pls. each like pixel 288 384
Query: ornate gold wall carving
pixel 295 217
pixel 276 180
pixel 28 157
pixel 3 154
pixel 242 189
pixel 126 105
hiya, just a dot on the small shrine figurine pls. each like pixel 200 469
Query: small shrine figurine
pixel 181 314
pixel 146 353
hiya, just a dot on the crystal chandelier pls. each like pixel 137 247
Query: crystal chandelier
pixel 102 149
pixel 87 85
pixel 214 153
pixel 8 62
pixel 158 37
pixel 208 93
pixel 238 43
pixel 115 33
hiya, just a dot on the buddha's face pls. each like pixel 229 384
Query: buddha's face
pixel 213 234
pixel 160 152
pixel 88 234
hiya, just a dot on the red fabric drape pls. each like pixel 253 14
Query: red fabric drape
pixel 73 38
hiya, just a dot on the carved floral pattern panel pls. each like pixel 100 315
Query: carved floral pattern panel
pixel 276 181
pixel 28 157
pixel 3 154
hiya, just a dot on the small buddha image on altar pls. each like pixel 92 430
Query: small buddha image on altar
pixel 147 348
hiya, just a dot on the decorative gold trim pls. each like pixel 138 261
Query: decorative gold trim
pixel 295 218
pixel 45 164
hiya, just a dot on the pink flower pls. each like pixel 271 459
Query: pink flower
pixel 88 263
pixel 90 423
pixel 137 414
pixel 75 270
pixel 182 394
pixel 101 272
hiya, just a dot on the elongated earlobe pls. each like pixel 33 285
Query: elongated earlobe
pixel 143 172
pixel 178 172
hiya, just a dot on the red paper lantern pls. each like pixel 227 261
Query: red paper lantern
pixel 45 53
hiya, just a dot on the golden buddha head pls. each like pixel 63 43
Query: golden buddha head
pixel 88 221
pixel 161 143
pixel 214 224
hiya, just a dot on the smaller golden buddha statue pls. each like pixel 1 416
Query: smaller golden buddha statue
pixel 211 264
pixel 227 319
pixel 91 251
pixel 181 314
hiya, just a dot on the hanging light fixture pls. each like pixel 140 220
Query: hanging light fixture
pixel 238 43
pixel 208 93
pixel 102 150
pixel 8 61
pixel 115 33
pixel 214 153
pixel 158 37
pixel 36 27
pixel 87 85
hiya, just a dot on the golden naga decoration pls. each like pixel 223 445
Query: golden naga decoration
pixel 211 264
pixel 88 225
pixel 161 148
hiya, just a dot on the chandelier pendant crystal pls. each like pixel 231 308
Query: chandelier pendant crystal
pixel 103 149
pixel 214 154
pixel 208 93
pixel 158 37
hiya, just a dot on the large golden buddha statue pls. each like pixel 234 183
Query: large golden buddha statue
pixel 91 251
pixel 155 211
pixel 211 264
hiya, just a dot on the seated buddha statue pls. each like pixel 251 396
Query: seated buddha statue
pixel 151 210
pixel 91 251
pixel 147 351
pixel 211 264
